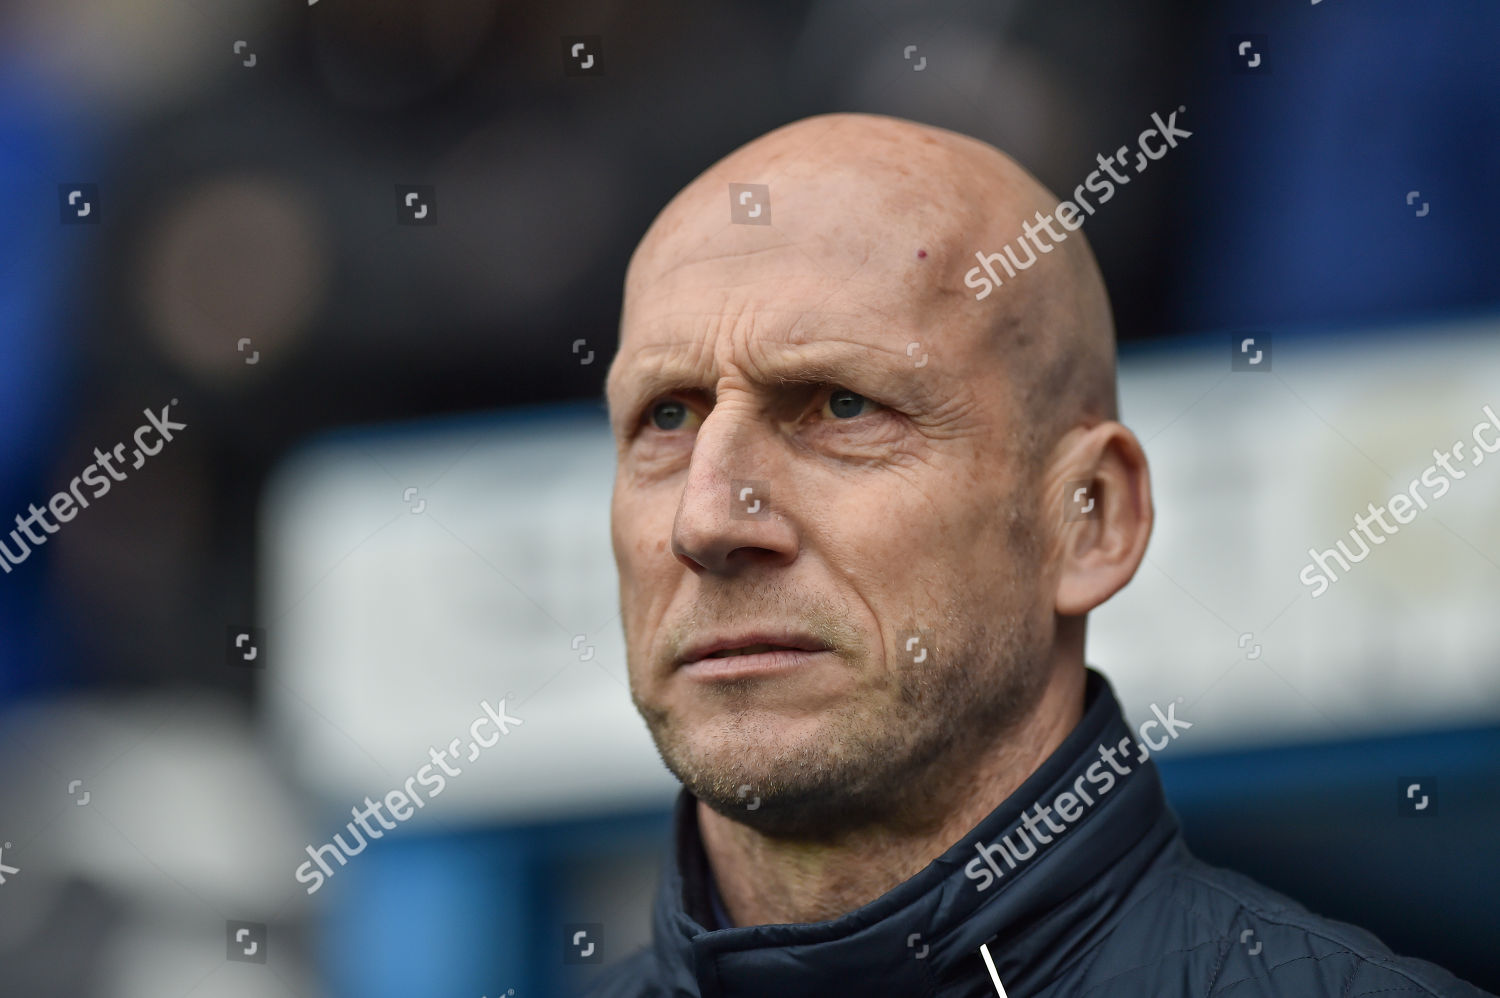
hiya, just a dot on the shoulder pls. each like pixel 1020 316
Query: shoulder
pixel 1213 932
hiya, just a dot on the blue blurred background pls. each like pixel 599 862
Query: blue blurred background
pixel 243 255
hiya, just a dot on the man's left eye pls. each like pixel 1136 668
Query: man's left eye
pixel 844 404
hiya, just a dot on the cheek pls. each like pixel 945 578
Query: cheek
pixel 888 552
pixel 867 520
pixel 636 529
pixel 967 537
pixel 641 533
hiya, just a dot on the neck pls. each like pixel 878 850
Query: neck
pixel 766 881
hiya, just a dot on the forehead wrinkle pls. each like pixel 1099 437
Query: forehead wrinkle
pixel 902 293
pixel 687 272
pixel 762 320
pixel 738 300
pixel 880 305
pixel 686 262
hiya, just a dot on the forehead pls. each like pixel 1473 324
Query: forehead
pixel 775 325
pixel 860 271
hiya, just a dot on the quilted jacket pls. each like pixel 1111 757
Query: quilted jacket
pixel 1113 907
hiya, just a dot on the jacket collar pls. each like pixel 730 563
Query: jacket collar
pixel 1055 897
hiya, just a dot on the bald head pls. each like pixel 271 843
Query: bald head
pixel 897 211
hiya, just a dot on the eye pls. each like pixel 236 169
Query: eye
pixel 669 414
pixel 844 404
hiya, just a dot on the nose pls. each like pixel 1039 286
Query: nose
pixel 730 514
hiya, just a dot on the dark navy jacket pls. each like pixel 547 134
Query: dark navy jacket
pixel 1114 905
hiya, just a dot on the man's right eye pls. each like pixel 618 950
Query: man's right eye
pixel 669 414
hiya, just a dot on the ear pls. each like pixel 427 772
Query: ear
pixel 1100 487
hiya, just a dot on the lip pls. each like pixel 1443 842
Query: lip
pixel 789 641
pixel 751 666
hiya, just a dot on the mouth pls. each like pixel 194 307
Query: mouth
pixel 750 662
pixel 749 650
pixel 758 650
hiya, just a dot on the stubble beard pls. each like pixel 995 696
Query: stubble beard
pixel 900 760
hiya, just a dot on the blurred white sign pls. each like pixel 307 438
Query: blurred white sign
pixel 414 571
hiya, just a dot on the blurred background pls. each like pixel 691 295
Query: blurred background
pixel 374 251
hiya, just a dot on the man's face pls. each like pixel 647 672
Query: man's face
pixel 896 526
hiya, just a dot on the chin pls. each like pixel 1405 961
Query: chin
pixel 761 741
pixel 789 776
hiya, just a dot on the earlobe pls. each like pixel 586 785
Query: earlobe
pixel 1108 517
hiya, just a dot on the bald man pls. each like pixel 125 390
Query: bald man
pixel 860 516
